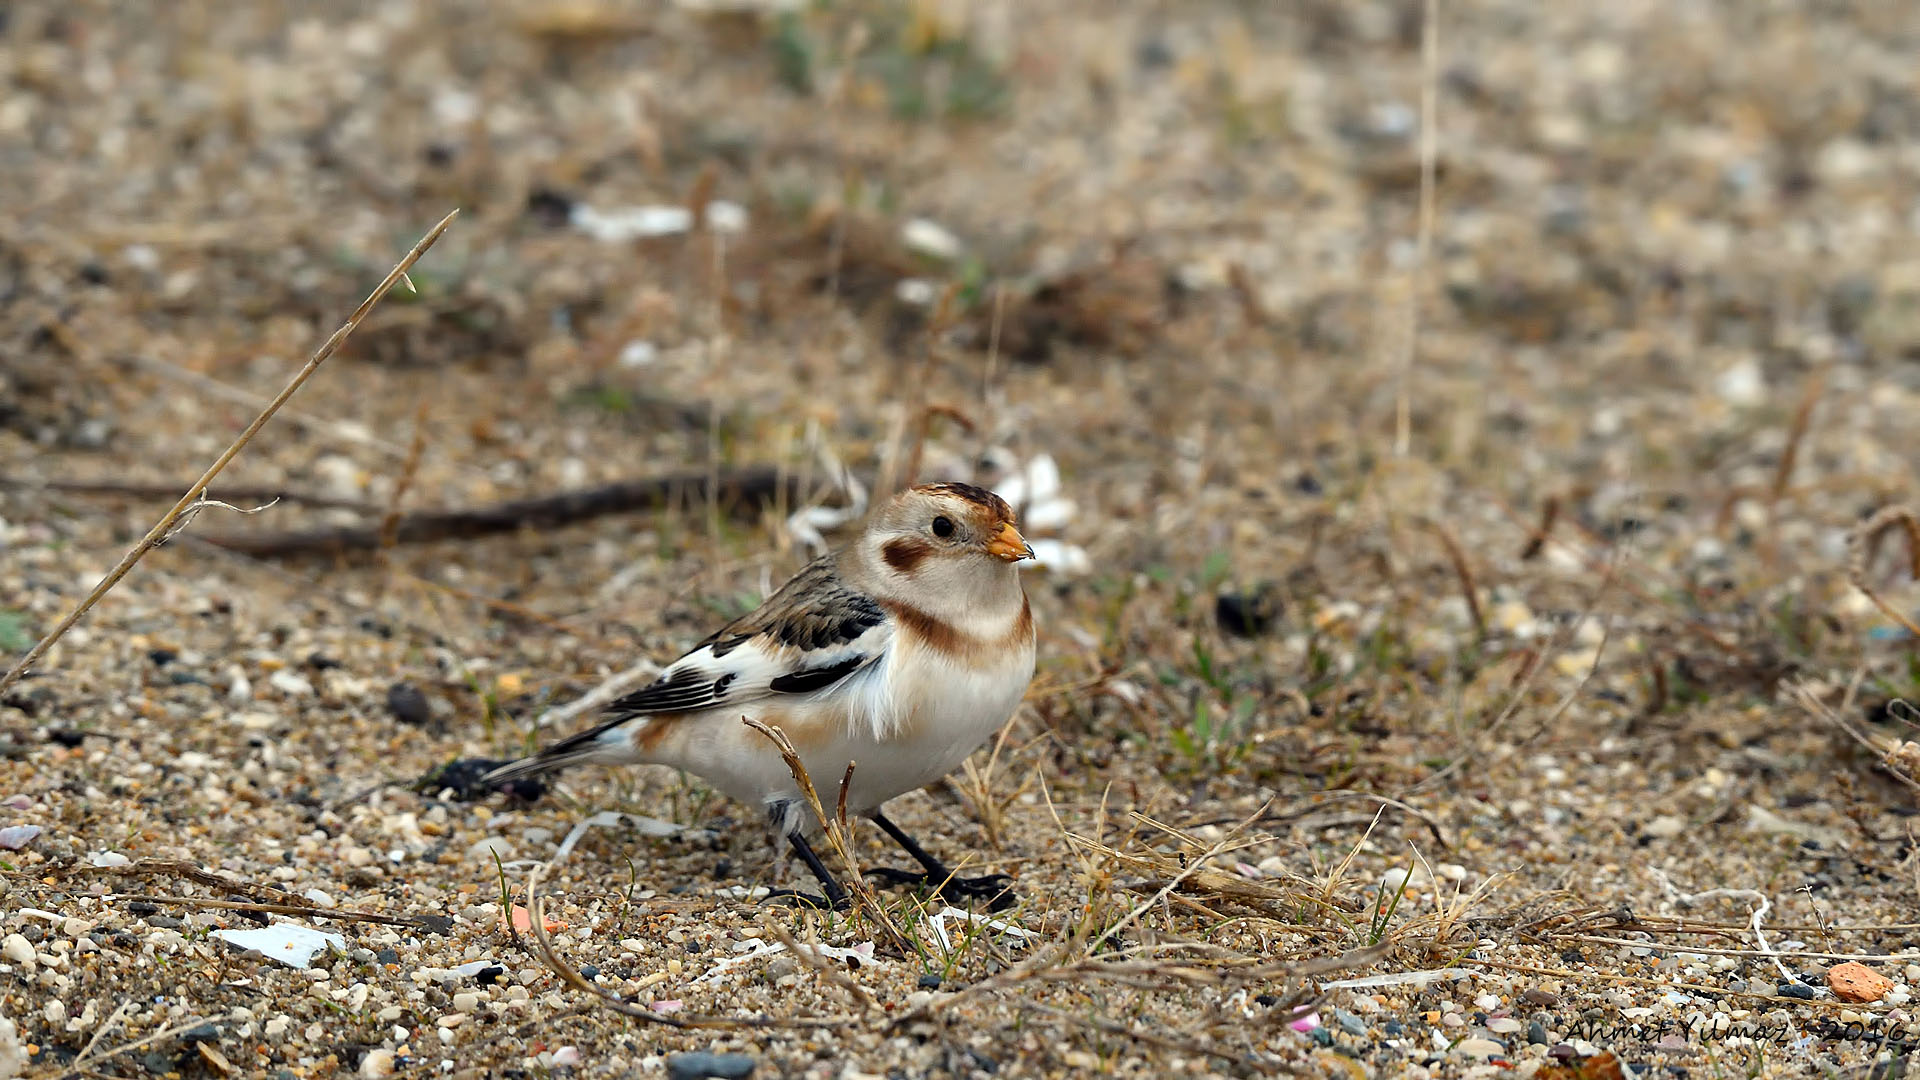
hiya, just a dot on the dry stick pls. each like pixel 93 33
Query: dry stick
pixel 743 487
pixel 253 494
pixel 390 524
pixel 1526 684
pixel 567 973
pixel 1464 572
pixel 165 1033
pixel 837 836
pixel 1187 871
pixel 1549 515
pixel 1812 703
pixel 830 972
pixel 165 525
pixel 1796 432
pixel 1862 546
pixel 1429 139
pixel 271 909
pixel 1667 984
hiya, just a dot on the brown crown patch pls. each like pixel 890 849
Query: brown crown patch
pixel 993 504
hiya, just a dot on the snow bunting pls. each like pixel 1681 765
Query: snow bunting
pixel 901 653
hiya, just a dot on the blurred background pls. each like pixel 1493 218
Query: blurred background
pixel 1363 461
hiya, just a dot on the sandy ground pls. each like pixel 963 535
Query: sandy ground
pixel 1473 618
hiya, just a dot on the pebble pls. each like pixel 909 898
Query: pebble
pixel 1797 990
pixel 1504 1025
pixel 377 1063
pixel 1537 1034
pixel 466 1002
pixel 17 949
pixel 1479 1048
pixel 1854 981
pixel 1349 1023
pixel 1539 999
pixel 408 704
pixel 701 1065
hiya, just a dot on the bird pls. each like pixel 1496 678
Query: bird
pixel 898 653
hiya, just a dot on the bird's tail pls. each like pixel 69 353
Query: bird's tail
pixel 606 743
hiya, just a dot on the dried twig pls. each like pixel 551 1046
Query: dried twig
pixel 836 834
pixel 311 912
pixel 409 469
pixel 253 494
pixel 1537 540
pixel 1463 571
pixel 166 523
pixel 1429 142
pixel 543 947
pixel 1865 543
pixel 746 489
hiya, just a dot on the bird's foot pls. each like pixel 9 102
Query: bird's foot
pixel 803 899
pixel 995 889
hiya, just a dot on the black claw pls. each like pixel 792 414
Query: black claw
pixel 812 900
pixel 993 888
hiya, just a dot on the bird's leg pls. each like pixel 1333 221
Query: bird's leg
pixel 937 876
pixel 781 816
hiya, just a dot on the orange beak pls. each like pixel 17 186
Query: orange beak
pixel 1008 544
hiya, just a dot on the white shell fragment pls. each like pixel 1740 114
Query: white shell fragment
pixel 627 223
pixel 289 943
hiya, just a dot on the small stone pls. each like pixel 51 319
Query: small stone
pixel 290 684
pixel 1349 1023
pixel 377 1063
pixel 319 897
pixel 17 948
pixel 1854 981
pixel 701 1065
pixel 929 982
pixel 1504 1025
pixel 1479 1048
pixel 466 1002
pixel 1537 1034
pixel 408 704
pixel 589 971
pixel 1797 990
pixel 1539 999
pixel 1247 614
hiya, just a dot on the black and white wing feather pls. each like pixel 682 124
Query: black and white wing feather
pixel 807 638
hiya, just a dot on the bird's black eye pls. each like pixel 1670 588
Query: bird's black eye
pixel 943 526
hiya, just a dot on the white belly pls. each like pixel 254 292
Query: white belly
pixel 903 726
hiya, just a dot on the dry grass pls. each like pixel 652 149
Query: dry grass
pixel 1545 396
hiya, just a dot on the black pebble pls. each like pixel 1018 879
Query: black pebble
pixel 165 922
pixel 387 956
pixel 408 704
pixel 436 924
pixel 162 657
pixel 1394 1027
pixel 1796 990
pixel 66 737
pixel 549 207
pixel 1266 1001
pixel 699 1066
pixel 929 982
pixel 1537 1033
pixel 322 662
pixel 723 868
pixel 203 1033
pixel 1308 484
pixel 140 907
pixel 487 976
pixel 1247 614
pixel 589 971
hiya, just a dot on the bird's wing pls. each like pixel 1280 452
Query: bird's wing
pixel 807 637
